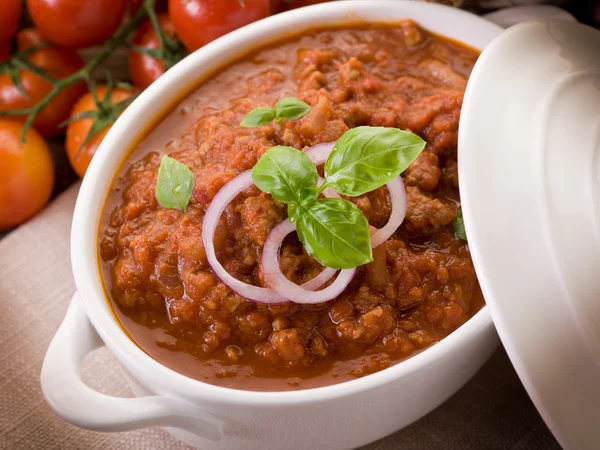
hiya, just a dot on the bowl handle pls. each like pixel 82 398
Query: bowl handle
pixel 80 405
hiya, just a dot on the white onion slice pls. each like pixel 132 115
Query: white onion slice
pixel 319 153
pixel 209 225
pixel 278 281
pixel 398 199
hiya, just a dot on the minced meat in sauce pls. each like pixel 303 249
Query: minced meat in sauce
pixel 421 285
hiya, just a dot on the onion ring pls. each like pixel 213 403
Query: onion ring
pixel 209 225
pixel 398 199
pixel 286 288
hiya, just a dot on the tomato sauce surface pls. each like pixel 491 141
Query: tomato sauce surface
pixel 421 285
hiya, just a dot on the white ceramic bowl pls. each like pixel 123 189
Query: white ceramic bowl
pixel 340 416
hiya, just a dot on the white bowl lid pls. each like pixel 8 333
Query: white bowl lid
pixel 529 167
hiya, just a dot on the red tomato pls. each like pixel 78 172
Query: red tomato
pixel 293 4
pixel 10 14
pixel 58 63
pixel 275 5
pixel 134 6
pixel 199 22
pixel 26 174
pixel 145 69
pixel 77 23
pixel 4 51
pixel 81 155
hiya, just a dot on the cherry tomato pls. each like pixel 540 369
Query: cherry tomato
pixel 145 69
pixel 4 51
pixel 80 153
pixel 275 5
pixel 10 14
pixel 56 62
pixel 77 23
pixel 293 4
pixel 134 6
pixel 198 22
pixel 26 174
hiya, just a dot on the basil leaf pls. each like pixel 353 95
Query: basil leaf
pixel 336 233
pixel 283 172
pixel 365 158
pixel 459 226
pixel 174 185
pixel 263 115
pixel 291 108
pixel 294 212
pixel 308 195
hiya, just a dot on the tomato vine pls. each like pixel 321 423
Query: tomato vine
pixel 19 62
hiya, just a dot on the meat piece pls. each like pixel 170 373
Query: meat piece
pixel 426 214
pixel 253 326
pixel 289 343
pixel 437 70
pixel 375 205
pixel 166 278
pixel 441 283
pixel 450 174
pixel 369 325
pixel 355 81
pixel 297 265
pixel 435 118
pixel 310 66
pixel 320 113
pixel 208 181
pixel 412 274
pixel 412 88
pixel 259 216
pixel 321 124
pixel 198 284
pixel 442 133
pixel 410 33
pixel 377 271
pixel 424 172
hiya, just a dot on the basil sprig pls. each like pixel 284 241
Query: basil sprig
pixel 334 231
pixel 174 185
pixel 288 108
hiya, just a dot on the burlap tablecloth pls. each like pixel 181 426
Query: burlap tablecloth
pixel 491 412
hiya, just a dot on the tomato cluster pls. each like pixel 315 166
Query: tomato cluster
pixel 40 69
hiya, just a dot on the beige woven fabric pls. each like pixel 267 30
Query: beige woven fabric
pixel 491 412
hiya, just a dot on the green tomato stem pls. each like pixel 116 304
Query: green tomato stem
pixel 157 29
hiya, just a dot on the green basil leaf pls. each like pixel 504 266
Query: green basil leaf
pixel 308 195
pixel 336 233
pixel 263 115
pixel 174 185
pixel 459 226
pixel 291 108
pixel 365 158
pixel 294 211
pixel 283 172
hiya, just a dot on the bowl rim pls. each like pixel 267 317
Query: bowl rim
pixel 177 83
